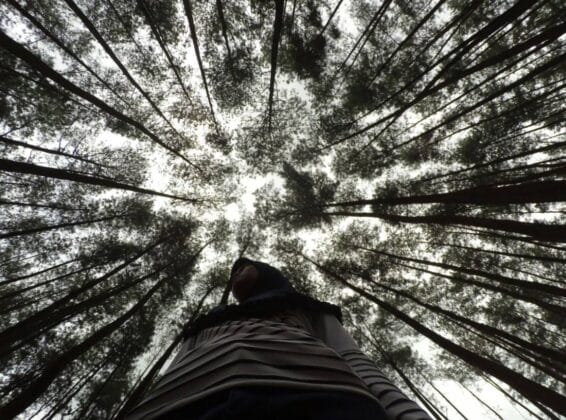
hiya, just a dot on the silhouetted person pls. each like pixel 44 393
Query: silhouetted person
pixel 278 354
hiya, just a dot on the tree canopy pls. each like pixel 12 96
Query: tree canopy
pixel 403 159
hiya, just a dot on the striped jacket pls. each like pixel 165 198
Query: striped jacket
pixel 293 348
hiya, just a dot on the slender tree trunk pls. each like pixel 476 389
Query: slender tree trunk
pixel 329 18
pixel 528 285
pixel 15 293
pixel 75 389
pixel 557 309
pixel 94 396
pixel 224 27
pixel 387 357
pixel 377 17
pixel 189 13
pixel 411 34
pixel 528 192
pixel 545 258
pixel 275 41
pixel 48 172
pixel 40 205
pixel 536 231
pixel 157 34
pixel 13 142
pixel 42 229
pixel 556 61
pixel 445 398
pixel 512 398
pixel 37 273
pixel 138 47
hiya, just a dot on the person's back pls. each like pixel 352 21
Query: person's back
pixel 279 354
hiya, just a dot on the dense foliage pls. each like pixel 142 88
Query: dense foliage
pixel 404 159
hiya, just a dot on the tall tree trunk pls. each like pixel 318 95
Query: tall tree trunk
pixel 329 17
pixel 389 360
pixel 224 28
pixel 40 205
pixel 189 13
pixel 528 192
pixel 48 172
pixel 37 273
pixel 419 25
pixel 537 231
pixel 65 225
pixel 157 34
pixel 528 285
pixel 13 142
pixel 15 293
pixel 75 389
pixel 512 398
pixel 275 41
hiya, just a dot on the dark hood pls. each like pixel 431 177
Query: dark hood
pixel 271 281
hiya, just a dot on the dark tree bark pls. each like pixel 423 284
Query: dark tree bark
pixel 497 161
pixel 399 47
pixel 13 142
pixel 224 27
pixel 275 41
pixel 41 229
pixel 189 13
pixel 551 354
pixel 367 35
pixel 393 116
pixel 528 192
pixel 37 273
pixel 76 388
pixel 11 295
pixel 45 171
pixel 536 231
pixel 551 307
pixel 512 398
pixel 389 360
pixel 329 17
pixel 40 205
pixel 157 34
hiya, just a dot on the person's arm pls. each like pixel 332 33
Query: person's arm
pixel 396 404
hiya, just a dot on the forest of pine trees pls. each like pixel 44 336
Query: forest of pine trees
pixel 403 159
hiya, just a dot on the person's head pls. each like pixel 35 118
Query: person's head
pixel 254 279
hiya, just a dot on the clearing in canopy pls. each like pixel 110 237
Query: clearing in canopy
pixel 402 159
